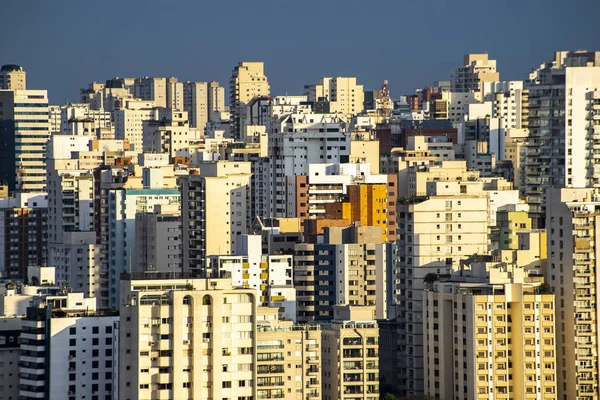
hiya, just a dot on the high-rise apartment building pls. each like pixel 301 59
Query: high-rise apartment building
pixel 24 128
pixel 68 349
pixel 564 127
pixel 297 141
pixel 344 95
pixel 174 94
pixel 477 69
pixel 216 100
pixel 350 351
pixel 436 231
pixel 352 266
pixel 572 220
pixel 288 361
pixel 489 334
pixel 151 89
pixel 10 352
pixel 215 210
pixel 170 134
pixel 195 102
pixel 188 339
pixel 248 80
pixel 153 252
pixel 130 120
pixel 270 274
pixel 13 77
pixel 23 234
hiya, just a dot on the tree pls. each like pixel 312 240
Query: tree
pixel 430 279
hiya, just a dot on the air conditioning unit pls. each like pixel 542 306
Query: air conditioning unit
pixel 153 359
pixel 152 343
pixel 209 324
pixel 189 325
pixel 186 342
pixel 206 340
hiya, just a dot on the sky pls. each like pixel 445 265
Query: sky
pixel 64 45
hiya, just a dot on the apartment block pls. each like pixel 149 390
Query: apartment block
pixel 215 210
pixel 130 120
pixel 68 349
pixel 187 338
pixel 288 358
pixel 153 252
pixel 435 232
pixel 13 77
pixel 345 96
pixel 350 351
pixel 269 274
pixel 572 226
pixel 23 234
pixel 10 352
pixel 248 80
pixel 297 141
pixel 471 76
pixel 352 266
pixel 25 127
pixel 170 133
pixel 564 127
pixel 151 89
pixel 489 334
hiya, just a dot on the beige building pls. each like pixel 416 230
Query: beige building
pixel 477 69
pixel 174 94
pixel 215 210
pixel 350 351
pixel 13 77
pixel 288 358
pixel 186 338
pixel 130 120
pixel 248 80
pixel 489 334
pixel 572 218
pixel 151 89
pixel 344 95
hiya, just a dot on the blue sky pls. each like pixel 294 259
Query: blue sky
pixel 65 44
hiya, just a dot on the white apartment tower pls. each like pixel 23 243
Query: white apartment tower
pixel 68 349
pixel 344 94
pixel 24 127
pixel 297 141
pixel 564 127
pixel 247 81
pixel 450 223
pixel 573 220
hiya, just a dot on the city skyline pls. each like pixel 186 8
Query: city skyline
pixel 124 46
